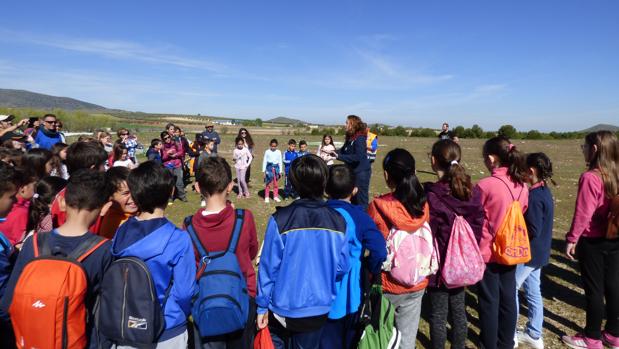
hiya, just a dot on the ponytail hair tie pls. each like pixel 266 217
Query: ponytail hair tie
pixel 35 196
pixel 511 147
pixel 454 162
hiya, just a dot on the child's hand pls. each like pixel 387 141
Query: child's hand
pixel 570 250
pixel 262 320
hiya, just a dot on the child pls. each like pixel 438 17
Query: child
pixel 405 208
pixel 166 250
pixel 539 217
pixel 305 251
pixel 496 296
pixel 123 207
pixel 121 157
pixel 289 157
pixel 213 226
pixel 38 161
pixel 303 148
pixel 272 168
pixel 39 213
pixel 14 227
pixel 451 195
pixel 85 195
pixel 154 151
pixel 598 257
pixel 242 159
pixel 341 327
pixel 130 141
pixel 326 150
pixel 59 168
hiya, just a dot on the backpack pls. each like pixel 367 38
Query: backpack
pixel 511 243
pixel 464 264
pixel 128 311
pixel 411 256
pixel 222 304
pixel 377 322
pixel 612 231
pixel 48 308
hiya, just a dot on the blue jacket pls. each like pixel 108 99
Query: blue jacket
pixel 305 253
pixel 168 252
pixel 539 217
pixel 354 154
pixel 362 235
pixel 154 155
pixel 289 157
pixel 6 250
pixel 46 139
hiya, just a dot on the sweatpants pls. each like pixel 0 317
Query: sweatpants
pixel 599 269
pixel 240 177
pixel 407 313
pixel 496 294
pixel 444 301
pixel 284 339
pixel 275 188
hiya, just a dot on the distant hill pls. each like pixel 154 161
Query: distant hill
pixel 601 127
pixel 26 99
pixel 287 121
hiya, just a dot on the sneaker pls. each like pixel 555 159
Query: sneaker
pixel 524 337
pixel 203 203
pixel 171 202
pixel 611 341
pixel 266 200
pixel 580 341
pixel 277 199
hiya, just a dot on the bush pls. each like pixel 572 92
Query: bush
pixel 508 131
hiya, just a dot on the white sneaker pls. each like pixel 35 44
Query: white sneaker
pixel 203 203
pixel 266 200
pixel 524 337
pixel 277 199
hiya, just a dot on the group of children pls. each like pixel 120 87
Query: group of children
pixel 140 288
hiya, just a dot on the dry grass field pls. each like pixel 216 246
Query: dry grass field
pixel 563 294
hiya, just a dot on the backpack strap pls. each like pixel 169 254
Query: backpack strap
pixel 40 245
pixel 194 237
pixel 236 230
pixel 87 247
pixel 509 190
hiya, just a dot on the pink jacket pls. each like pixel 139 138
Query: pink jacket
pixel 496 199
pixel 591 211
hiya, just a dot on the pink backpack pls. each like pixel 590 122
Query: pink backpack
pixel 464 264
pixel 411 256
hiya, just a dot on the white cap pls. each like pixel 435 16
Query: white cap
pixel 6 117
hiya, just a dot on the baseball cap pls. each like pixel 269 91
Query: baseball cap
pixel 7 117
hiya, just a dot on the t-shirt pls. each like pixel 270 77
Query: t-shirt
pixel 123 163
pixel 446 135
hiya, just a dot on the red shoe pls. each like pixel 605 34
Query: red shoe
pixel 580 341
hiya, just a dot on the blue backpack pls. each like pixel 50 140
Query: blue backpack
pixel 222 304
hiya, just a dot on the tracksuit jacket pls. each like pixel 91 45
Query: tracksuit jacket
pixel 305 253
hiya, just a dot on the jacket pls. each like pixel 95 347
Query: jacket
pixel 212 135
pixel 362 236
pixel 174 160
pixel 496 199
pixel 305 253
pixel 14 226
pixel 354 154
pixel 46 139
pixel 289 157
pixel 387 212
pixel 154 155
pixel 591 211
pixel 214 231
pixel 168 252
pixel 6 252
pixel 443 210
pixel 539 219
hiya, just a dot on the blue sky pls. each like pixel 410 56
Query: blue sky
pixel 548 65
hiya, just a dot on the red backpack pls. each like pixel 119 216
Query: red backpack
pixel 48 309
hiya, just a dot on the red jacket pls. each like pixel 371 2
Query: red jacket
pixel 14 226
pixel 214 231
pixel 388 212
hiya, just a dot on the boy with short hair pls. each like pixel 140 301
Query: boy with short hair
pixel 122 205
pixel 154 151
pixel 86 193
pixel 213 226
pixel 289 157
pixel 303 148
pixel 165 249
pixel 342 325
pixel 305 252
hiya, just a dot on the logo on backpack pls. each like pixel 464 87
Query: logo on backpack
pixel 138 324
pixel 222 303
pixel 48 309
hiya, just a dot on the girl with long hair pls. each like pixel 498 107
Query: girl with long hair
pixel 326 149
pixel 249 144
pixel 59 168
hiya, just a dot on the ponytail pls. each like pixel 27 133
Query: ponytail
pixel 542 164
pixel 400 167
pixel 447 155
pixel 509 156
pixel 45 192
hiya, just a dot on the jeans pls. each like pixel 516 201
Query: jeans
pixel 599 261
pixel 407 313
pixel 529 278
pixel 363 189
pixel 240 177
pixel 496 294
pixel 283 339
pixel 444 301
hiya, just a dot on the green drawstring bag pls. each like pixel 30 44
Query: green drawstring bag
pixel 377 322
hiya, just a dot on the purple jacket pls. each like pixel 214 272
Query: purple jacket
pixel 443 210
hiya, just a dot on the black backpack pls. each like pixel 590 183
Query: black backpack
pixel 128 311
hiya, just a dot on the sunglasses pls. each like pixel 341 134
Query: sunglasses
pixel 50 122
pixel 124 134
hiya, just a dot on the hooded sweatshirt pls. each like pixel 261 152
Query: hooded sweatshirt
pixel 14 226
pixel 168 252
pixel 388 212
pixel 443 210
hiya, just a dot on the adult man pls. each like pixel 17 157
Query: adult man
pixel 48 135
pixel 211 134
pixel 446 133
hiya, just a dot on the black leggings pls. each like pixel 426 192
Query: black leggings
pixel 599 269
pixel 443 301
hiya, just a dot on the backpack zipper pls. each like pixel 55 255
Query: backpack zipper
pixel 147 272
pixel 224 272
pixel 122 317
pixel 222 296
pixel 65 333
